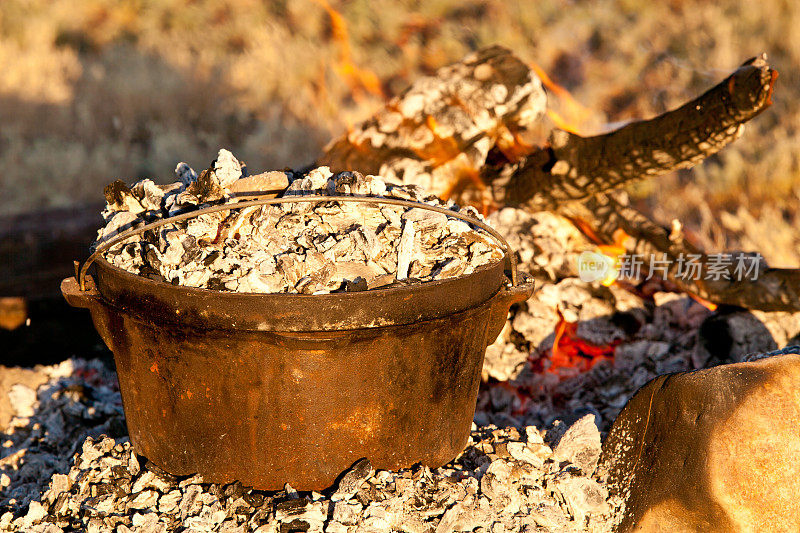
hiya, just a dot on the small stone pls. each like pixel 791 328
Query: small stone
pixel 133 465
pixel 188 500
pixel 149 480
pixel 90 451
pixel 227 168
pixel 36 511
pixel 168 503
pixel 580 445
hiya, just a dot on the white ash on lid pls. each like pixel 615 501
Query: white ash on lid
pixel 310 248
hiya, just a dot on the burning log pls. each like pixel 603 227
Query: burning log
pixel 460 133
pixel 440 132
pixel 770 289
pixel 577 168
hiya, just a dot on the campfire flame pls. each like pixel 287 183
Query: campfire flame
pixel 359 80
pixel 574 116
pixel 614 251
pixel 571 354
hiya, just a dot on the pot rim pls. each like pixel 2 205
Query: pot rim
pixel 162 302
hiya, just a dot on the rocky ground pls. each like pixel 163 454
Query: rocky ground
pixel 566 363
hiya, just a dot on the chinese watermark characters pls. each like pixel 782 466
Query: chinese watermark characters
pixel 595 266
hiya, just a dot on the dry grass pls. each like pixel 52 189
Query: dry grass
pixel 94 90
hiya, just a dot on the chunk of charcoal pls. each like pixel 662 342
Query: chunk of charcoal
pixel 119 196
pixel 363 497
pixel 234 490
pixel 149 194
pixel 379 243
pixel 185 174
pixel 239 507
pixel 206 188
pixel 61 506
pixel 227 168
pixel 254 498
pixel 191 250
pixel 357 285
pixel 210 258
pixel 215 284
pixel 291 507
pixel 295 526
pixel 353 479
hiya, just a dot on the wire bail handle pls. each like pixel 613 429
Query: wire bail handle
pixel 80 270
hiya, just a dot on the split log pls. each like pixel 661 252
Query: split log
pixel 441 131
pixel 437 135
pixel 579 167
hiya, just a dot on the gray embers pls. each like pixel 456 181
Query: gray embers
pixel 506 480
pixel 306 248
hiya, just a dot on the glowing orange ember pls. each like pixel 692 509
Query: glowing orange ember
pixel 441 149
pixel 511 144
pixel 614 251
pixel 571 354
pixel 711 306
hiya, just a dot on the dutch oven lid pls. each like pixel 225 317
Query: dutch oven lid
pixel 158 301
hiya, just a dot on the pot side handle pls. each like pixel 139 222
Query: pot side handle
pixel 71 289
pixel 92 300
pixel 503 300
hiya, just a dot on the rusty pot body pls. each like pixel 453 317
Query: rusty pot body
pixel 275 388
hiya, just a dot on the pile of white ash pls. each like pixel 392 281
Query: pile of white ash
pixel 310 248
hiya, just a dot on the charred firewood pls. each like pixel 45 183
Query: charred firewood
pixel 578 167
pixel 768 289
pixel 460 129
pixel 440 132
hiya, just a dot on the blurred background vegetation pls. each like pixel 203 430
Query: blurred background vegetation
pixel 95 90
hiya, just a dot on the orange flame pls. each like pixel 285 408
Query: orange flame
pixel 359 80
pixel 711 306
pixel 613 251
pixel 574 115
